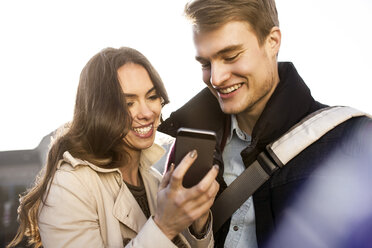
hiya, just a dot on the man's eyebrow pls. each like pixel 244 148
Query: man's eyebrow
pixel 134 95
pixel 228 49
pixel 225 50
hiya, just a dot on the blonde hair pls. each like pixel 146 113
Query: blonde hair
pixel 208 15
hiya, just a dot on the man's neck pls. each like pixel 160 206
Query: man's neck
pixel 248 118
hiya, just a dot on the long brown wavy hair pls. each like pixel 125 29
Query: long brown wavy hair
pixel 100 122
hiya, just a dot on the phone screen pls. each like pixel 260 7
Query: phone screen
pixel 204 141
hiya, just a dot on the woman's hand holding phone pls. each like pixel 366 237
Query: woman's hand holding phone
pixel 178 207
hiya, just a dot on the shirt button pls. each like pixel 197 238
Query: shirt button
pixel 236 228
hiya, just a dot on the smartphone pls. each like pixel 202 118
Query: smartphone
pixel 204 141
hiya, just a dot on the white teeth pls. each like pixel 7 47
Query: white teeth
pixel 230 89
pixel 143 130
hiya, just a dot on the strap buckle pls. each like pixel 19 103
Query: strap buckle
pixel 267 163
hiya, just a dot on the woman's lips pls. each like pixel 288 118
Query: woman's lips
pixel 143 132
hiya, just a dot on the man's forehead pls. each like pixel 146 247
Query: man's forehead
pixel 216 42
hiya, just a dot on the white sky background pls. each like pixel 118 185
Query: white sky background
pixel 44 44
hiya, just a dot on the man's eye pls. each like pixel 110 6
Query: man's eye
pixel 232 58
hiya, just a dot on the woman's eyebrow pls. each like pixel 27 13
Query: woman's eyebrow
pixel 134 95
pixel 150 90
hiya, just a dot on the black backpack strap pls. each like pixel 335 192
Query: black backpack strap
pixel 241 188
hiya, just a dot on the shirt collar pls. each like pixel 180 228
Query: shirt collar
pixel 235 127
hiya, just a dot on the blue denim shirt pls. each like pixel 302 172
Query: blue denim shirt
pixel 242 232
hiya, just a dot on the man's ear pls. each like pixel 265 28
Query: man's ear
pixel 273 41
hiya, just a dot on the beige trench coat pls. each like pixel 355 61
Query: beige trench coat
pixel 88 206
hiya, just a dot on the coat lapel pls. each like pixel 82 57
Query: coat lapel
pixel 151 179
pixel 127 210
pixel 151 187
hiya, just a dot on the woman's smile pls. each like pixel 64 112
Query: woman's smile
pixel 143 131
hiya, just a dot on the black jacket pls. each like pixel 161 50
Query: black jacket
pixel 290 102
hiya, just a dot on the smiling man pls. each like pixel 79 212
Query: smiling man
pixel 251 100
pixel 239 71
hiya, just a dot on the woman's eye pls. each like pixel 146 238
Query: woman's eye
pixel 205 65
pixel 130 104
pixel 154 97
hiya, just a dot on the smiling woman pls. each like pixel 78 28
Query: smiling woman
pixel 144 104
pixel 98 188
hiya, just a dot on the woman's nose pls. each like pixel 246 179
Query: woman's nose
pixel 144 111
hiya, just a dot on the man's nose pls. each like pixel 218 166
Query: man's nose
pixel 219 74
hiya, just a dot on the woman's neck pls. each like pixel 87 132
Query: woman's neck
pixel 129 170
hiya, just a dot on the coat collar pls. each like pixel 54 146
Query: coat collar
pixel 148 157
pixel 290 102
pixel 126 209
